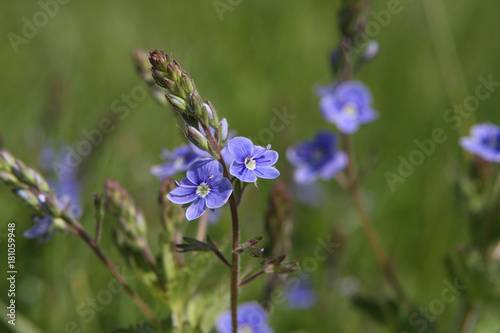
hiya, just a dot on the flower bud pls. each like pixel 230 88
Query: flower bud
pixel 6 160
pixel 49 205
pixel 177 102
pixel 223 131
pixel 159 60
pixel 8 178
pixel 196 104
pixel 173 71
pixel 28 197
pixel 196 137
pixel 186 83
pixel 371 51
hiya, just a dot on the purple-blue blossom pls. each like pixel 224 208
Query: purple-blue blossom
pixel 484 141
pixel 252 318
pixel 347 105
pixel 66 187
pixel 300 295
pixel 178 160
pixel 204 186
pixel 252 161
pixel 317 159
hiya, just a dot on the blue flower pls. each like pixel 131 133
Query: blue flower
pixel 252 161
pixel 347 105
pixel 318 158
pixel 483 142
pixel 179 160
pixel 252 318
pixel 66 187
pixel 300 295
pixel 204 186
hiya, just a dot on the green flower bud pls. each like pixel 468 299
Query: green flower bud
pixel 6 160
pixel 28 197
pixel 187 83
pixel 177 102
pixel 8 178
pixel 196 137
pixel 49 205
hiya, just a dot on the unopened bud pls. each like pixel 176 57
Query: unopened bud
pixel 223 131
pixel 177 102
pixel 28 197
pixel 196 137
pixel 196 104
pixel 8 178
pixel 187 83
pixel 49 205
pixel 6 160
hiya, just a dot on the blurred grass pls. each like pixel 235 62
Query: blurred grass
pixel 263 55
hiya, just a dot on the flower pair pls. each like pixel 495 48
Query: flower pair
pixel 205 185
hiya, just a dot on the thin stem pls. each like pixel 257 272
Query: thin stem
pixel 202 227
pixel 381 255
pixel 251 278
pixel 235 258
pixel 109 265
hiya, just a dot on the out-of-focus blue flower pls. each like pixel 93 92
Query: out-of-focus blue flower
pixel 300 295
pixel 179 160
pixel 204 186
pixel 252 161
pixel 66 187
pixel 483 142
pixel 252 318
pixel 318 158
pixel 347 105
pixel 214 216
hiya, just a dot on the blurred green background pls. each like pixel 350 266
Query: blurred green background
pixel 262 55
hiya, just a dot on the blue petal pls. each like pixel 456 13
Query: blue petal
pixel 305 175
pixel 224 324
pixel 335 165
pixel 241 172
pixel 241 148
pixel 265 157
pixel 181 194
pixel 266 172
pixel 203 171
pixel 367 115
pixel 196 209
pixel 219 194
pixel 354 92
pixel 41 227
pixel 253 314
pixel 347 125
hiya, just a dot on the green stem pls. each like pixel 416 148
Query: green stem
pixel 109 265
pixel 235 258
pixel 373 239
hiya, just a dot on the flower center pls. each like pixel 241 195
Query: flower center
pixel 178 162
pixel 250 163
pixel 350 110
pixel 203 190
pixel 245 329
